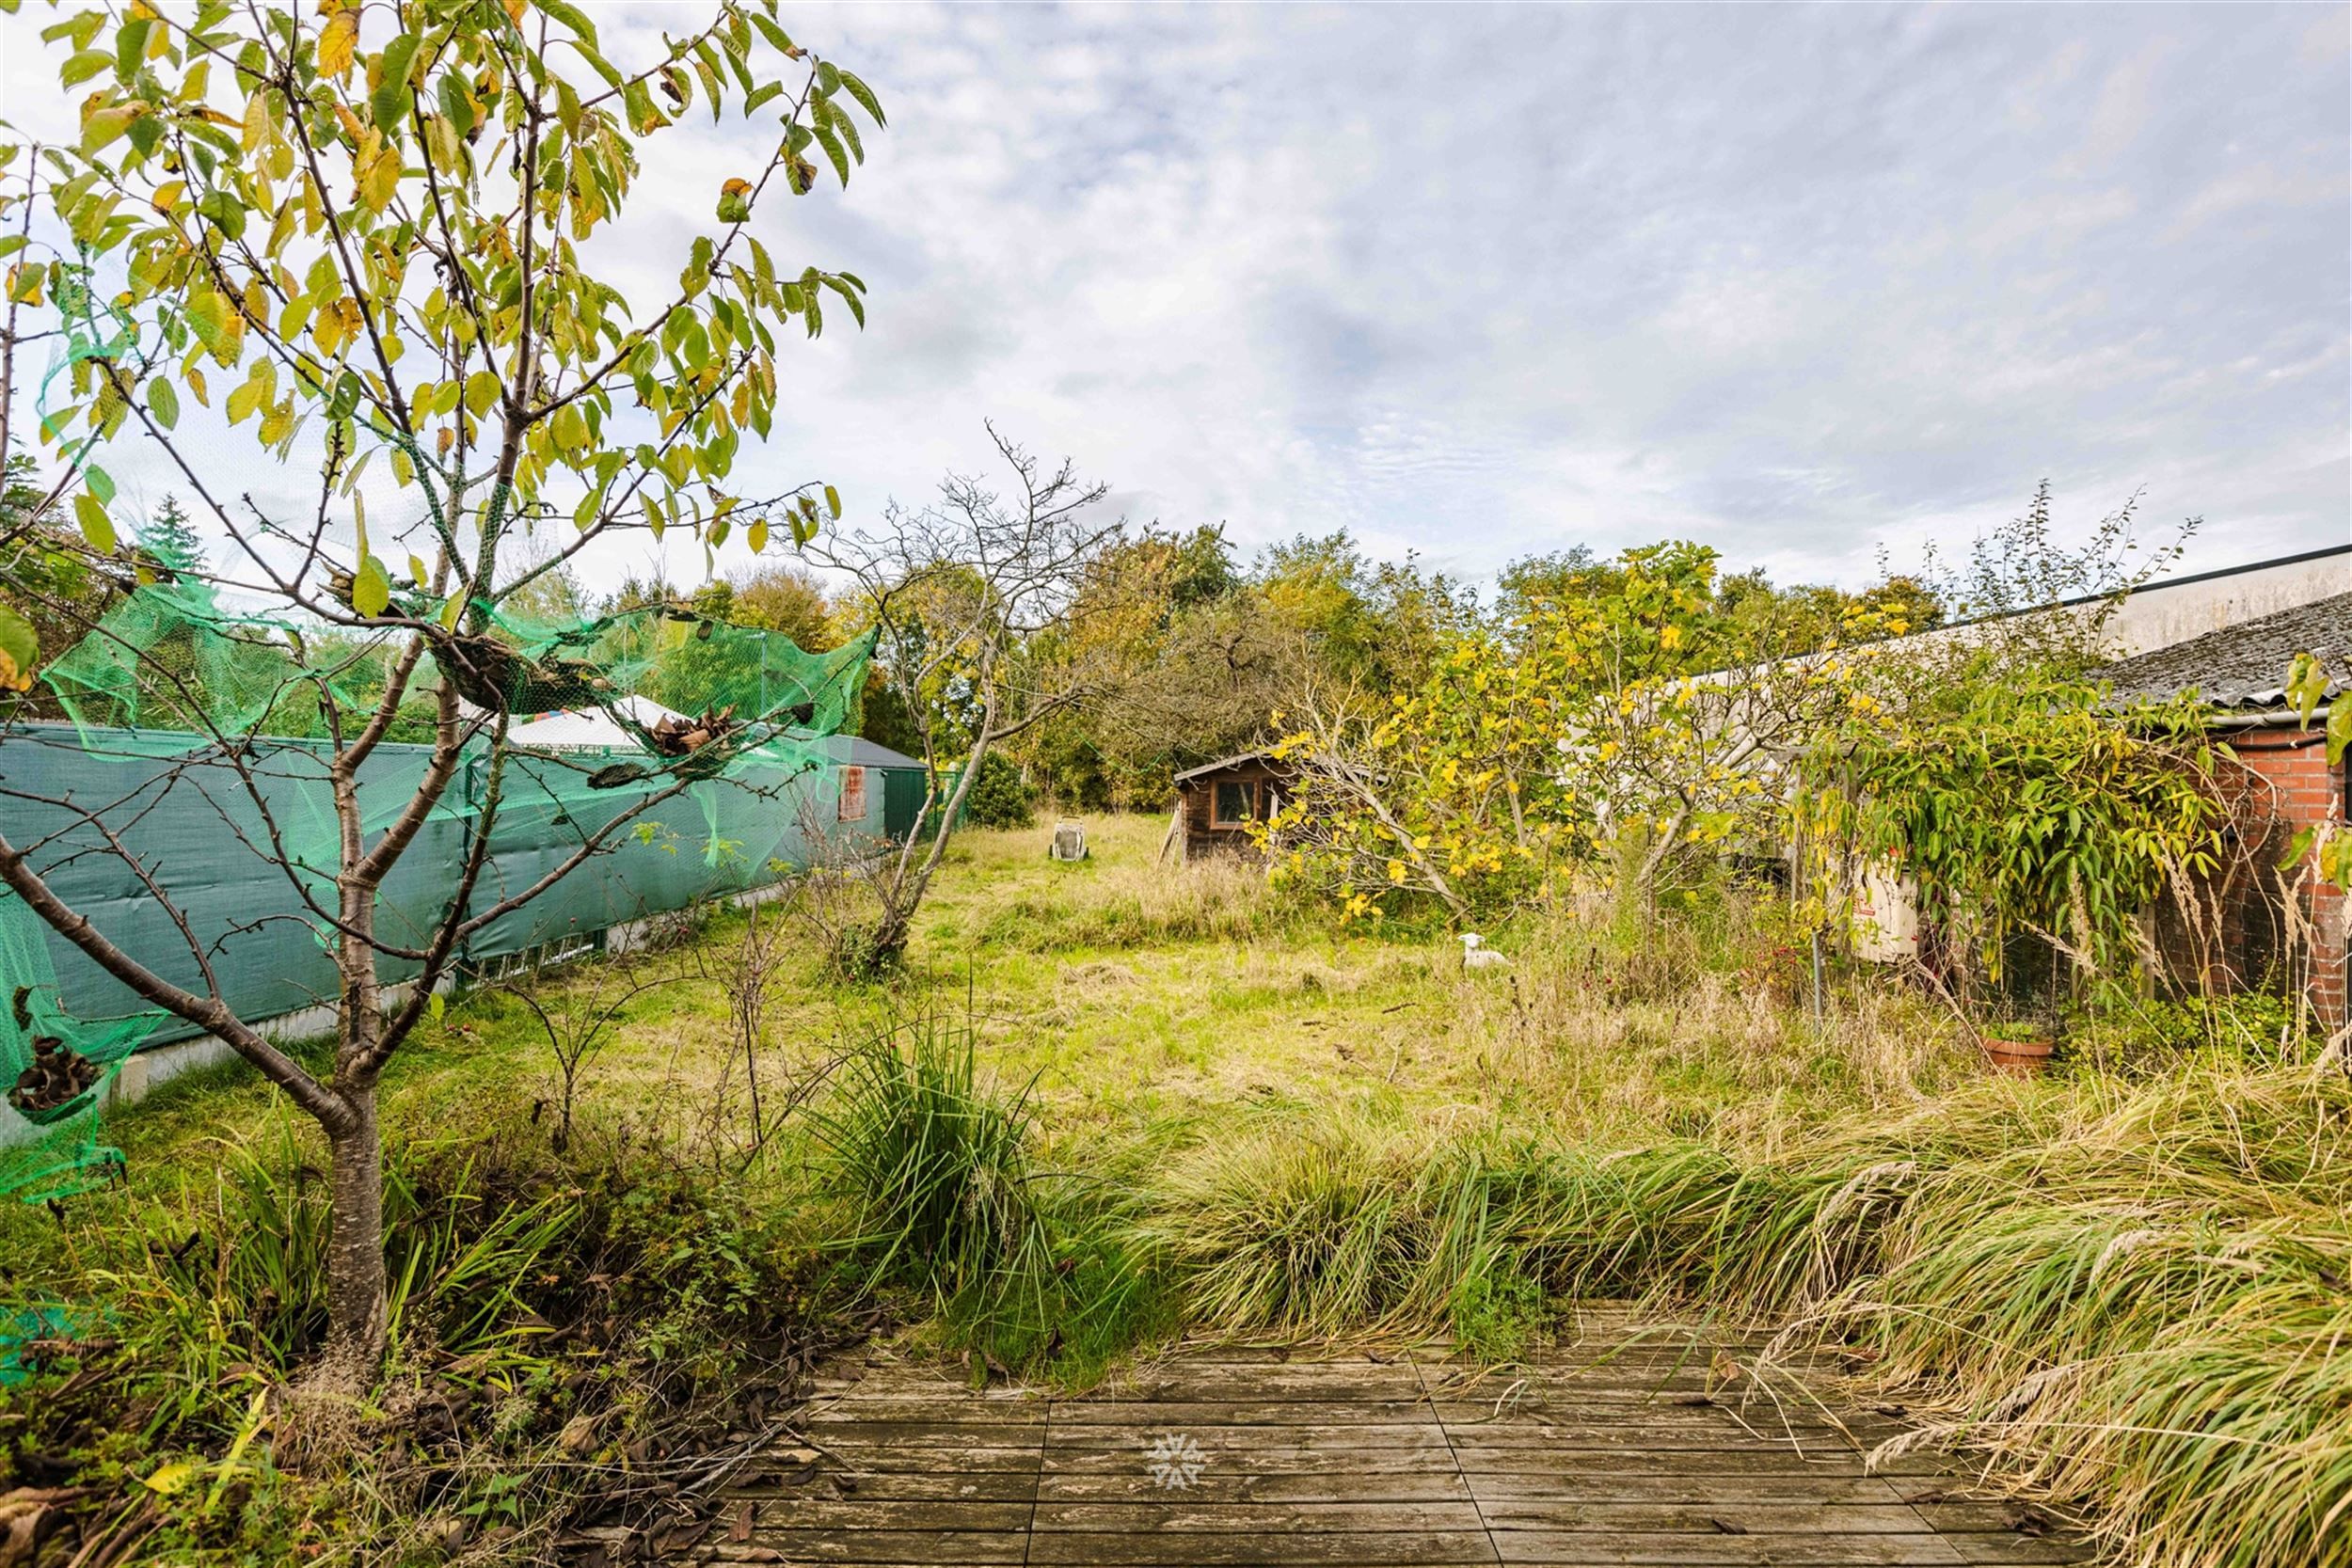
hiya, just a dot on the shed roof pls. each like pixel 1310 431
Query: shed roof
pixel 857 752
pixel 1266 754
pixel 588 729
pixel 2243 666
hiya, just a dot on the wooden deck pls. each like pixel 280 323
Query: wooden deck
pixel 1631 1449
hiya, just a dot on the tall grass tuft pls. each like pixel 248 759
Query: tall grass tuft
pixel 936 1167
pixel 2138 1297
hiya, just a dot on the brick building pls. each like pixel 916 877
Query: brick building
pixel 2259 919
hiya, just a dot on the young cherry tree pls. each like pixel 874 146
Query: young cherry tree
pixel 370 236
pixel 972 596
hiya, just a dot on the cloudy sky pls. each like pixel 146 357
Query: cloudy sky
pixel 1475 282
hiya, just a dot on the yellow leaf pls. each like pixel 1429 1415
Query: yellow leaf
pixel 171 1477
pixel 338 43
pixel 379 181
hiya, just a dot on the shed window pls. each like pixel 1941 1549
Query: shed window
pixel 1235 799
pixel 854 794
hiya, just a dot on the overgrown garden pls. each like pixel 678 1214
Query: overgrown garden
pixel 523 1266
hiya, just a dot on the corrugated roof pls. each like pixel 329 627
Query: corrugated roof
pixel 2243 666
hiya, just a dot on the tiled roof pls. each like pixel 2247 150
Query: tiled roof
pixel 2243 666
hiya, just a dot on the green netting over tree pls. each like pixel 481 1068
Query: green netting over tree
pixel 208 724
pixel 56 1069
pixel 170 659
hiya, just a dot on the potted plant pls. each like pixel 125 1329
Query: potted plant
pixel 2020 1050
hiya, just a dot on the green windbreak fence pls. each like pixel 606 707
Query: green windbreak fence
pixel 201 833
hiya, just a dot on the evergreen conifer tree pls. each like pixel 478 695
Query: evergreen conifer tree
pixel 170 538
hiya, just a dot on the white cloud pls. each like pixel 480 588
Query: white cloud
pixel 1485 281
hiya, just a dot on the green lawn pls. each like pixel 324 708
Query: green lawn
pixel 1142 1000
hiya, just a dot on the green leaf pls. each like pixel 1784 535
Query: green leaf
pixel 224 211
pixel 163 402
pixel 569 428
pixel 81 28
pixel 102 126
pixel 833 502
pixel 567 101
pixel 371 587
pixel 713 89
pixel 131 48
pixel 570 17
pixel 2297 849
pixel 390 103
pixel 644 117
pixel 775 36
pixel 857 306
pixel 833 154
pixel 19 650
pixel 82 67
pixel 757 535
pixel 2307 684
pixel 456 103
pixel 97 526
pixel 864 96
pixel 345 397
pixel 101 483
pixel 2339 727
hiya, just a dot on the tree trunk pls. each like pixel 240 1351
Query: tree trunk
pixel 354 1250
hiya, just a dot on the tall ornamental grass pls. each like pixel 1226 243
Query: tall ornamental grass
pixel 2138 1297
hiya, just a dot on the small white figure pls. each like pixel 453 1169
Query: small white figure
pixel 1477 955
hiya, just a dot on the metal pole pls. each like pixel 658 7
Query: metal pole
pixel 1818 1025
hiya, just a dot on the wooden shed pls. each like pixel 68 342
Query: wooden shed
pixel 1216 801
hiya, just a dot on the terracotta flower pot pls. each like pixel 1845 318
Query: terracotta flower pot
pixel 2017 1058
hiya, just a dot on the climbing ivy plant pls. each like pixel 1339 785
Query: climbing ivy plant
pixel 2026 803
pixel 2306 688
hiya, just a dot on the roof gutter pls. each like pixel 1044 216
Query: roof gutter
pixel 2288 719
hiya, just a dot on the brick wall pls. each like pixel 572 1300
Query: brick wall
pixel 2303 790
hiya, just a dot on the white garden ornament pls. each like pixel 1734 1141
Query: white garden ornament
pixel 1476 955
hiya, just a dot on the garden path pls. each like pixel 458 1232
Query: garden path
pixel 1635 1445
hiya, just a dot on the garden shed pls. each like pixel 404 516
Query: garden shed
pixel 2241 671
pixel 1216 801
pixel 880 790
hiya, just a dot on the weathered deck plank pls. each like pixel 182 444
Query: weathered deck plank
pixel 1639 1446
